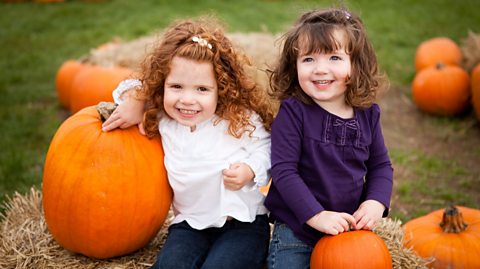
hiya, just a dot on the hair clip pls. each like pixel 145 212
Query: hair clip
pixel 347 14
pixel 202 42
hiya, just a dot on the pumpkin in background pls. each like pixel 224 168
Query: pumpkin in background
pixel 95 84
pixel 442 90
pixel 64 80
pixel 437 50
pixel 264 189
pixel 475 85
pixel 451 236
pixel 105 194
pixel 354 249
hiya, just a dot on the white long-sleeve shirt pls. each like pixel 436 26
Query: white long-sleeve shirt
pixel 195 160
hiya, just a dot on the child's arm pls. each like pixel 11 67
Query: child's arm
pixel 130 110
pixel 378 180
pixel 237 176
pixel 330 222
pixel 254 170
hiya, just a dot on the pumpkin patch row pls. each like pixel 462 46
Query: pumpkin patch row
pixel 441 86
pixel 80 85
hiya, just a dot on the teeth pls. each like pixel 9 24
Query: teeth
pixel 185 111
pixel 322 81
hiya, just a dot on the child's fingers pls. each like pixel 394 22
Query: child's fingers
pixel 231 184
pixel 229 173
pixel 141 129
pixel 366 223
pixel 110 124
pixel 349 223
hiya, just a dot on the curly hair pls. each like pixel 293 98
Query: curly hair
pixel 314 33
pixel 238 94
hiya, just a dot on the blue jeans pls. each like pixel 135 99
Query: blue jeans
pixel 286 251
pixel 235 245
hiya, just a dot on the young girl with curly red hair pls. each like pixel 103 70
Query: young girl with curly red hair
pixel 214 123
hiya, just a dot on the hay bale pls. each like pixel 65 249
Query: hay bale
pixel 471 51
pixel 26 242
pixel 402 258
pixel 261 48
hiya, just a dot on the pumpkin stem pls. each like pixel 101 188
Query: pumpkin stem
pixel 452 220
pixel 440 66
pixel 105 109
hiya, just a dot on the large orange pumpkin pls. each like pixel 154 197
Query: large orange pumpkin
pixel 64 79
pixel 437 50
pixel 105 194
pixel 442 90
pixel 355 249
pixel 475 85
pixel 95 84
pixel 451 236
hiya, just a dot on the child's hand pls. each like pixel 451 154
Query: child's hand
pixel 125 115
pixel 368 213
pixel 235 177
pixel 330 222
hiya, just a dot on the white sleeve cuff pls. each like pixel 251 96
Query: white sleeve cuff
pixel 261 176
pixel 124 86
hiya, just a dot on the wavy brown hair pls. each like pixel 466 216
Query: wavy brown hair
pixel 238 94
pixel 314 33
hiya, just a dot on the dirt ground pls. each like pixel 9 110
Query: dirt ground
pixel 450 146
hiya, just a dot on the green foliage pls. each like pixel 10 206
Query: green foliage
pixel 35 39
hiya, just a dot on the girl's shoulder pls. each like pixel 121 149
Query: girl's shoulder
pixel 294 104
pixel 374 109
pixel 370 115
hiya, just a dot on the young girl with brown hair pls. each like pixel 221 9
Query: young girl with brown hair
pixel 330 168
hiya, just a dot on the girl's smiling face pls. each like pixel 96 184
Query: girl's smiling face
pixel 191 91
pixel 323 76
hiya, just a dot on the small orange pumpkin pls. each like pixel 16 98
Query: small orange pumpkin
pixel 354 249
pixel 437 50
pixel 451 236
pixel 475 85
pixel 95 84
pixel 64 79
pixel 442 90
pixel 105 194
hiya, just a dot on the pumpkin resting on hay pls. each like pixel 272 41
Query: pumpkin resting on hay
pixel 354 249
pixel 105 194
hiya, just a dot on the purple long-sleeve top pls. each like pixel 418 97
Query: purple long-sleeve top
pixel 323 162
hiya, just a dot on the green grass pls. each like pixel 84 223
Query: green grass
pixel 36 38
pixel 427 185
